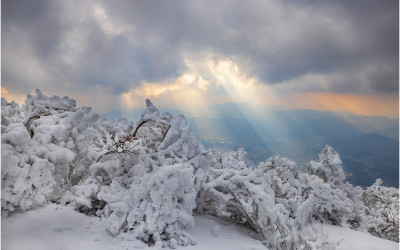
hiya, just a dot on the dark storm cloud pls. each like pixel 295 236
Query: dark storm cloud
pixel 38 20
pixel 278 42
pixel 136 41
pixel 42 30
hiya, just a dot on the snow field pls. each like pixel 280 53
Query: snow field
pixel 61 227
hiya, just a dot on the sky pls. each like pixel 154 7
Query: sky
pixel 190 55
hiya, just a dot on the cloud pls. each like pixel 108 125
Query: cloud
pixel 78 49
pixel 9 96
pixel 69 47
pixel 207 81
pixel 276 41
pixel 367 105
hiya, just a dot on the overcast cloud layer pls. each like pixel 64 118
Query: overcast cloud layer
pixel 108 48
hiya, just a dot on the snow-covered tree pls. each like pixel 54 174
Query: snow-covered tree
pixel 249 196
pixel 26 180
pixel 148 191
pixel 112 137
pixel 44 149
pixel 328 167
pixel 382 209
pixel 285 181
pixel 232 159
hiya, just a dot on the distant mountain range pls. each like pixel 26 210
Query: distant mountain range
pixel 369 157
pixel 368 146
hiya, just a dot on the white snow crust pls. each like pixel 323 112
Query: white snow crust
pixel 61 227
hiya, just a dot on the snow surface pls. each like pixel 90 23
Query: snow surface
pixel 350 239
pixel 61 227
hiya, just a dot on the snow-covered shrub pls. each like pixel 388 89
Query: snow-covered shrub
pixel 44 149
pixel 10 113
pixel 60 133
pixel 278 200
pixel 232 159
pixel 285 181
pixel 323 196
pixel 326 204
pixel 382 209
pixel 26 180
pixel 326 197
pixel 148 191
pixel 246 195
pixel 303 202
pixel 328 167
pixel 112 137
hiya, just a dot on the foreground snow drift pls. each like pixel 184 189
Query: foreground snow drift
pixel 61 227
pixel 350 239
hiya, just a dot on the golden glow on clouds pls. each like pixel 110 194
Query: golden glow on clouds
pixel 368 105
pixel 228 73
pixel 208 81
pixel 239 86
pixel 183 82
pixel 10 96
pixel 188 91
